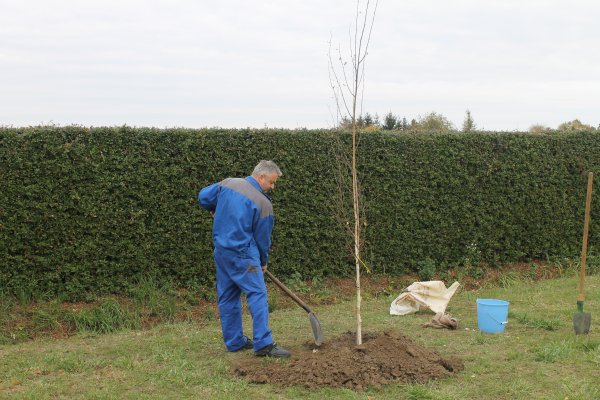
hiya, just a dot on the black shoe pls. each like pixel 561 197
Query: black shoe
pixel 273 350
pixel 247 346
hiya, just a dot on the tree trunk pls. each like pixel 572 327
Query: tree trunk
pixel 355 198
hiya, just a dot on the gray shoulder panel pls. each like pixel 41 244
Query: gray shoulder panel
pixel 245 188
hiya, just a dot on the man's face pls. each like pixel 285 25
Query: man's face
pixel 267 181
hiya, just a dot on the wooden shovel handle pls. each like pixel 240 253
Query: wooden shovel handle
pixel 288 291
pixel 586 223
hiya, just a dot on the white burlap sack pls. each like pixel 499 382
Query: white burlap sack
pixel 431 295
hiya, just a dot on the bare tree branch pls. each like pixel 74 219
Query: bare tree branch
pixel 336 85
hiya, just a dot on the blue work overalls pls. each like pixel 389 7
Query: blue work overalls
pixel 242 226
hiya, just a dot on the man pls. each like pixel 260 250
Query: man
pixel 243 221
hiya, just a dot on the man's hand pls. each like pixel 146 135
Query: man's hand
pixel 212 214
pixel 264 268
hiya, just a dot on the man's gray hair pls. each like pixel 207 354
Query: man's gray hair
pixel 266 167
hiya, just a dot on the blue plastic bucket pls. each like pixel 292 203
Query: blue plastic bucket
pixel 492 315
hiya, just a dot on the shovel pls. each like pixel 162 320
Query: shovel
pixel 314 322
pixel 581 320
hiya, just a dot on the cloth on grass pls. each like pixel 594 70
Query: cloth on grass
pixel 442 321
pixel 432 295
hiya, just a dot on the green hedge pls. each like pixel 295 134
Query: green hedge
pixel 88 210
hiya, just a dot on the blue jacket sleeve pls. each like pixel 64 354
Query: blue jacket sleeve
pixel 262 237
pixel 207 197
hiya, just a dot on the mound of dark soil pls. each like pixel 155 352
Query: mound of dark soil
pixel 383 358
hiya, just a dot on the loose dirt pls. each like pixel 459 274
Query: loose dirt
pixel 383 358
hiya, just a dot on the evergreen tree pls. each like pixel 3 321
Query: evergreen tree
pixel 360 121
pixel 402 124
pixel 389 121
pixel 468 123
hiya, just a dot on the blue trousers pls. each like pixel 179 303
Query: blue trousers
pixel 237 273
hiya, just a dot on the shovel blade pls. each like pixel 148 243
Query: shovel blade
pixel 581 323
pixel 316 328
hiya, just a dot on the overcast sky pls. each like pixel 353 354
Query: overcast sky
pixel 251 63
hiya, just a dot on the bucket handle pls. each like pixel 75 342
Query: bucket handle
pixel 500 323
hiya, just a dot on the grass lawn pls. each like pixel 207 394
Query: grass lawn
pixel 537 357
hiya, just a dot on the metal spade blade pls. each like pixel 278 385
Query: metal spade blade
pixel 581 323
pixel 314 322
